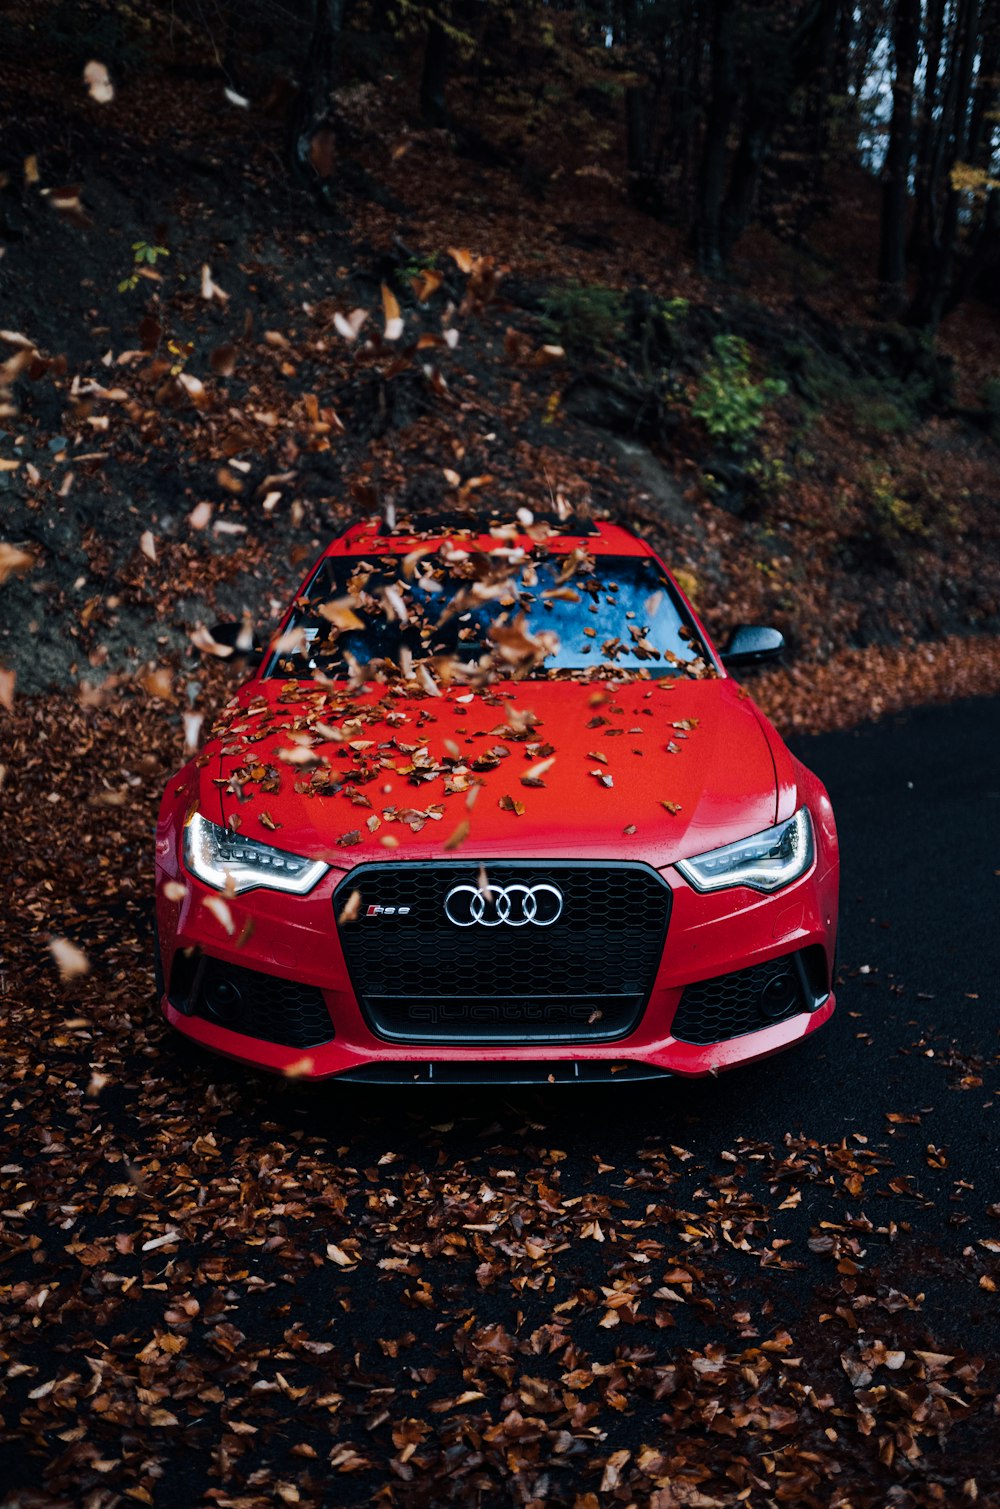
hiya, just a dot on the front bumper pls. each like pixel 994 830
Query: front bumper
pixel 296 939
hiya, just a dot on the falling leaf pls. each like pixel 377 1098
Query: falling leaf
pixel 192 730
pixel 147 544
pixel 223 360
pixel 458 836
pixel 220 911
pixel 98 82
pixel 209 288
pixel 349 325
pixel 236 99
pixel 158 681
pixel 12 559
pixel 200 516
pixel 8 680
pixel 202 640
pixel 71 961
pixel 351 909
pixel 393 319
pixel 461 257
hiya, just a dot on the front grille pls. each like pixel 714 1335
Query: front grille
pixel 420 978
pixel 744 1001
pixel 262 1006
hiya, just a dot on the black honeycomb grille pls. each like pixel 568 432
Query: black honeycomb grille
pixel 744 1001
pixel 262 1006
pixel 587 977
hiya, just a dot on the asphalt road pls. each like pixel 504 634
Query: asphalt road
pixel 839 1193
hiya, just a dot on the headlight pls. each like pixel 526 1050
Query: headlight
pixel 765 862
pixel 218 856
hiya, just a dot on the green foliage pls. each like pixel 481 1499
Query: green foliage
pixel 770 474
pixel 729 403
pixel 144 254
pixel 893 518
pixel 674 310
pixel 585 318
pixel 417 264
pixel 885 388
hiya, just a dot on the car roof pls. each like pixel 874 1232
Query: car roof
pixel 597 536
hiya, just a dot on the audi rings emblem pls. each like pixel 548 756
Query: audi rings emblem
pixel 514 905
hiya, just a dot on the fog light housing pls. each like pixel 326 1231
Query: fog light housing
pixel 777 997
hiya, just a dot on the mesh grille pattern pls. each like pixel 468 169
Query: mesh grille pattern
pixel 418 977
pixel 730 1005
pixel 262 1006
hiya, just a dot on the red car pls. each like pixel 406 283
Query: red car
pixel 492 808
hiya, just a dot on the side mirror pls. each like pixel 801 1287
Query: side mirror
pixel 241 639
pixel 751 645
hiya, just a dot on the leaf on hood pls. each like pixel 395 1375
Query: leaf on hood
pixel 70 960
pixel 508 804
pixel 267 821
pixel 98 82
pixel 347 839
pixel 672 807
pixel 533 776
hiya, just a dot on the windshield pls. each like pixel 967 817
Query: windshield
pixel 468 616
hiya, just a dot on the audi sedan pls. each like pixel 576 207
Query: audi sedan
pixel 492 807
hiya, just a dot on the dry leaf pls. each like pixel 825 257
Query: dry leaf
pixel 71 961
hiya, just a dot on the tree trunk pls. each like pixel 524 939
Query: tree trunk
pixel 934 32
pixel 311 143
pixel 784 66
pixel 434 78
pixel 641 185
pixel 934 286
pixel 721 106
pixel 896 173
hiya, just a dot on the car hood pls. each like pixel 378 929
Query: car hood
pixel 619 756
